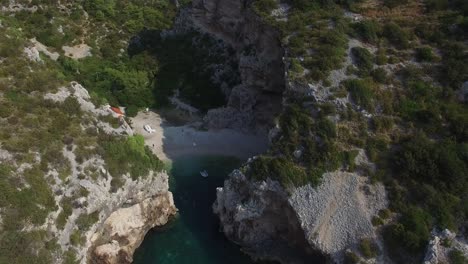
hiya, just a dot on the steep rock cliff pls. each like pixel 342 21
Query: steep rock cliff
pixel 124 230
pixel 256 101
pixel 270 223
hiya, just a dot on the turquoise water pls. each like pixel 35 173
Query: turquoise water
pixel 193 237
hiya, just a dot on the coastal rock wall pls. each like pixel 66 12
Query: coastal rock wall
pixel 258 217
pixel 258 99
pixel 293 227
pixel 124 230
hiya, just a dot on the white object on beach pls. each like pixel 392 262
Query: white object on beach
pixel 204 173
pixel 149 129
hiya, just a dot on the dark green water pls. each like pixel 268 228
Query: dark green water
pixel 193 237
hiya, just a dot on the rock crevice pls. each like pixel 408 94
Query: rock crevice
pixel 258 99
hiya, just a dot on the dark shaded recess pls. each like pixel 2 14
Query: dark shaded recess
pixel 186 63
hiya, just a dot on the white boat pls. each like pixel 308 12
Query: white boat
pixel 149 129
pixel 204 173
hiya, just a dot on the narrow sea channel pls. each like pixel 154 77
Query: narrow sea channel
pixel 193 237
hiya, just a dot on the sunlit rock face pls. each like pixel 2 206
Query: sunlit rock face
pixel 124 230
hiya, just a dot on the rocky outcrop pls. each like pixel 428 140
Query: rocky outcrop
pixel 124 230
pixel 259 217
pixel 270 223
pixel 257 100
pixel 442 244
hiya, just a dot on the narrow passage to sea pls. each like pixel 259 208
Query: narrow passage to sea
pixel 193 237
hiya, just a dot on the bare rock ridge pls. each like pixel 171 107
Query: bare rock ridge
pixel 258 98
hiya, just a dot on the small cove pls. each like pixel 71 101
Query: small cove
pixel 193 236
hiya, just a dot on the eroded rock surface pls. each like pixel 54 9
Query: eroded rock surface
pixel 124 230
pixel 258 98
pixel 272 224
pixel 337 214
pixel 259 217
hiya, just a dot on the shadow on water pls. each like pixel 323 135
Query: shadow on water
pixel 194 236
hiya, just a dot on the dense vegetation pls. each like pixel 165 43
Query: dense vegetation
pixel 407 74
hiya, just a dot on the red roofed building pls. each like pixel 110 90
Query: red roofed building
pixel 117 111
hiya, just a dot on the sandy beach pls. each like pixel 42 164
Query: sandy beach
pixel 169 142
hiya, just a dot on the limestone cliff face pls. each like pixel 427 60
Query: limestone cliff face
pixel 258 217
pixel 123 215
pixel 124 230
pixel 258 98
pixel 290 227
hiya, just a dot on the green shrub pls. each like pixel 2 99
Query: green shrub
pixel 351 258
pixel 424 54
pixel 379 75
pixel 411 233
pixel 384 213
pixel 377 221
pixel 71 106
pixel 394 3
pixel 65 213
pixel 382 124
pixel 131 111
pixel 453 68
pixel 367 30
pixel 381 57
pixel 396 35
pixel 440 164
pixel 457 257
pixel 70 257
pixel 375 146
pixel 76 238
pixel 362 92
pixel 435 5
pixel 265 6
pixel 368 248
pixel 129 155
pixel 280 169
pixel 85 221
pixel 363 59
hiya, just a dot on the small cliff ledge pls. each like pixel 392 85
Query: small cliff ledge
pixel 124 230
